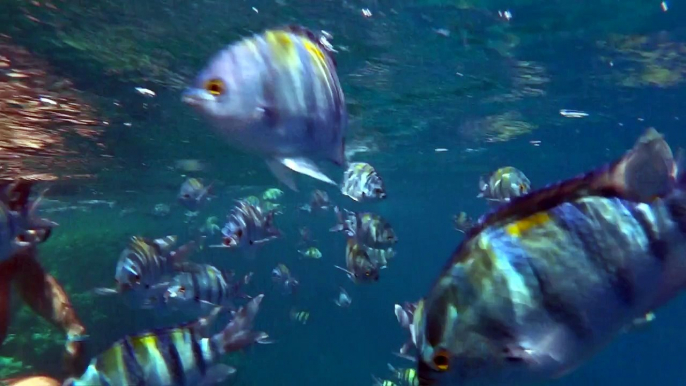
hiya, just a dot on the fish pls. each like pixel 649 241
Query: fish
pixel 361 182
pixel 383 382
pixel 281 275
pixel 181 355
pixel 208 287
pixel 144 264
pixel 343 300
pixel 369 229
pixel 248 227
pixel 541 284
pixel 405 315
pixel 299 316
pixel 319 200
pixel 276 95
pixel 311 253
pixel 462 222
pixel 272 194
pixel 503 184
pixel 406 376
pixel 380 256
pixel 358 266
pixel 193 194
pixel 20 228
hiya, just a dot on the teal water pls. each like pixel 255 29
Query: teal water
pixel 490 92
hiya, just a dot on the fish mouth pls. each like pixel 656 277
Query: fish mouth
pixel 196 96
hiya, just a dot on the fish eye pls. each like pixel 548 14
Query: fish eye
pixel 239 233
pixel 441 360
pixel 21 238
pixel 215 87
pixel 522 187
pixel 226 241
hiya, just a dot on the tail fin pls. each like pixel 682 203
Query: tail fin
pixel 238 333
pixel 648 170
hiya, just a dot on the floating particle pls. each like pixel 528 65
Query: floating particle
pixel 573 113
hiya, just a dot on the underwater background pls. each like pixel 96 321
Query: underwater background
pixel 554 88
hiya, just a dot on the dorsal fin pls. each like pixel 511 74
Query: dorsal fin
pixel 645 172
pixel 314 38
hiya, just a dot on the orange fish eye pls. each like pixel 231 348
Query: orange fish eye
pixel 441 360
pixel 215 87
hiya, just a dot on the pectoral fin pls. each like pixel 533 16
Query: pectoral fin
pixel 306 167
pixel 282 173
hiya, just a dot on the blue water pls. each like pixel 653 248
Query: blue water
pixel 488 93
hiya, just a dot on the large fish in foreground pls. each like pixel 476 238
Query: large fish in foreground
pixel 180 356
pixel 542 283
pixel 276 95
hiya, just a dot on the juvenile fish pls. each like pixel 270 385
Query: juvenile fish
pixel 311 253
pixel 361 182
pixel 358 265
pixel 544 282
pixel 208 287
pixel 276 95
pixel 503 184
pixel 282 277
pixel 184 355
pixel 343 300
pixel 193 194
pixel 247 227
pixel 369 229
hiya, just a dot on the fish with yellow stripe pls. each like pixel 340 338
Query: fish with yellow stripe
pixel 179 356
pixel 277 95
pixel 547 280
pixel 503 184
pixel 361 182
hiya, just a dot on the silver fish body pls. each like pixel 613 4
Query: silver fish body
pixel 248 226
pixel 369 229
pixel 504 184
pixel 277 95
pixel 358 265
pixel 543 283
pixel 193 193
pixel 178 356
pixel 361 182
pixel 206 288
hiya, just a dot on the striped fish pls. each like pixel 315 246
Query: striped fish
pixel 277 95
pixel 369 229
pixel 542 283
pixel 248 227
pixel 20 228
pixel 361 182
pixel 207 287
pixel 503 184
pixel 193 193
pixel 359 267
pixel 143 266
pixel 177 356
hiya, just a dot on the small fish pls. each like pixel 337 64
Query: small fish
pixel 405 376
pixel 20 228
pixel 641 322
pixel 276 95
pixel 380 256
pixel 206 287
pixel 369 229
pixel 299 316
pixel 544 282
pixel 269 206
pixel 143 266
pixel 319 200
pixel 383 382
pixel 343 300
pixel 311 253
pixel 358 265
pixel 462 222
pixel 272 194
pixel 193 194
pixel 247 228
pixel 361 182
pixel 252 200
pixel 503 184
pixel 183 355
pixel 281 275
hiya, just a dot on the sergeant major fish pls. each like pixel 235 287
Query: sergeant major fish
pixel 358 265
pixel 143 266
pixel 247 227
pixel 543 283
pixel 179 356
pixel 361 182
pixel 277 95
pixel 207 287
pixel 281 275
pixel 193 193
pixel 503 185
pixel 369 229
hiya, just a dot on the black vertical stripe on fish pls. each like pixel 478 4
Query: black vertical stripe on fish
pixel 558 308
pixel 197 354
pixel 579 221
pixel 132 367
pixel 172 359
pixel 659 248
pixel 196 286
